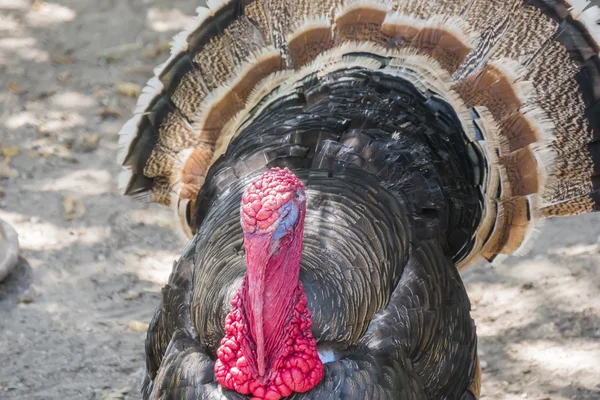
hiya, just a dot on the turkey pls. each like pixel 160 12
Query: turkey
pixel 335 164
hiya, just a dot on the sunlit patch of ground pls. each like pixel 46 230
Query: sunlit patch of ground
pixel 538 316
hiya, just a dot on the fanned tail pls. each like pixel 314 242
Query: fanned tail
pixel 523 76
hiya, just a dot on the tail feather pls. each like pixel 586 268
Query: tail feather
pixel 523 76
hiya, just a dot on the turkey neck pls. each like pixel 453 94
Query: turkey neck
pixel 270 291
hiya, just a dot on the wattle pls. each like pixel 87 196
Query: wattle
pixel 297 369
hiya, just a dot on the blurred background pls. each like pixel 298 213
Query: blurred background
pixel 73 314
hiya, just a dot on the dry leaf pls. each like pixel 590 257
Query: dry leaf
pixel 63 77
pixel 137 326
pixel 74 208
pixel 122 48
pixel 67 140
pixel 112 396
pixel 45 147
pixel 132 295
pixel 161 47
pixel 129 89
pixel 63 59
pixel 150 53
pixel 15 88
pixel 88 143
pixel 6 171
pixel 9 152
pixel 117 53
pixel 116 395
pixel 25 300
pixel 135 295
pixel 102 96
pixel 139 69
pixel 164 46
pixel 527 286
pixel 100 93
pixel 109 112
pixel 112 58
pixel 37 4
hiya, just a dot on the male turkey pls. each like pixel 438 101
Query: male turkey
pixel 376 148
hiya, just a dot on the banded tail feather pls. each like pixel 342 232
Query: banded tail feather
pixel 522 76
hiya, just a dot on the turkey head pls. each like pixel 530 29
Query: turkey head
pixel 268 349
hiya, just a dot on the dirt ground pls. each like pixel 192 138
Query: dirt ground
pixel 73 314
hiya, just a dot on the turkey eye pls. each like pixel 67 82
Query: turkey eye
pixel 287 220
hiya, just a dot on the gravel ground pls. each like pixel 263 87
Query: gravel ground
pixel 73 314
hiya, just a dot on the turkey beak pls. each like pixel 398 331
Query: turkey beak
pixel 258 253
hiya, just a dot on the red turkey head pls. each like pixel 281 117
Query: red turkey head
pixel 268 349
